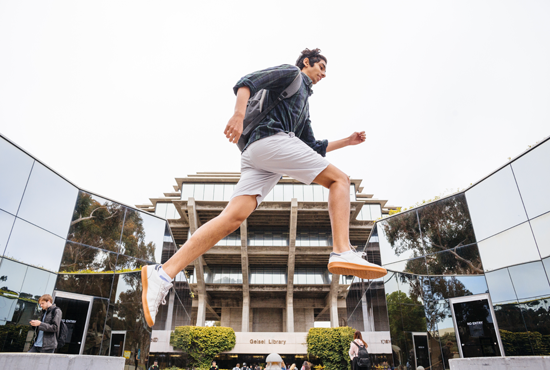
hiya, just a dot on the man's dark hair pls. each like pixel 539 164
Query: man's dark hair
pixel 314 56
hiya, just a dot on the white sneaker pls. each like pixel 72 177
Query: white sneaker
pixel 354 264
pixel 154 291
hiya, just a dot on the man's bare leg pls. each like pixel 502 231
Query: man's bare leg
pixel 338 205
pixel 238 209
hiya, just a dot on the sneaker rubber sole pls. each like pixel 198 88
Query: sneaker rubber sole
pixel 363 272
pixel 144 284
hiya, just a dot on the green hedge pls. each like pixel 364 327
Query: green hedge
pixel 202 344
pixel 331 346
pixel 523 343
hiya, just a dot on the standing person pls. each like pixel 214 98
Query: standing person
pixel 214 366
pixel 358 352
pixel 155 366
pixel 282 144
pixel 237 367
pixel 136 359
pixel 47 329
pixel 293 367
pixel 244 366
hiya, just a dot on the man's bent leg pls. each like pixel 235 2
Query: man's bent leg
pixel 343 261
pixel 155 288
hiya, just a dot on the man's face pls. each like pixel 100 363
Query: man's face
pixel 316 72
pixel 44 304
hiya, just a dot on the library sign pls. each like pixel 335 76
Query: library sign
pixel 267 341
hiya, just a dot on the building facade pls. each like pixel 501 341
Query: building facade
pixel 468 274
pixel 84 250
pixel 268 280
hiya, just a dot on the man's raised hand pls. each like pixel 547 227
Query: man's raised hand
pixel 357 138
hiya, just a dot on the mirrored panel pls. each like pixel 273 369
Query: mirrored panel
pixel 126 264
pixel 97 222
pixel 127 289
pixel 446 224
pixel 49 201
pixel 36 284
pixel 12 275
pixel 495 204
pixel 34 246
pixel 536 314
pixel 6 223
pixel 399 238
pixel 79 259
pixel 96 326
pixel 411 287
pixel 457 261
pixel 530 281
pixel 441 319
pixel 502 250
pixel 143 236
pixel 500 286
pixel 445 287
pixel 513 333
pixel 541 231
pixel 15 168
pixel 414 266
pixel 94 284
pixel 533 178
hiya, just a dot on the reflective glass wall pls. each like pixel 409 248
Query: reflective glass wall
pixel 492 238
pixel 57 238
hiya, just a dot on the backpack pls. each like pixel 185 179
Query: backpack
pixel 363 358
pixel 63 330
pixel 255 110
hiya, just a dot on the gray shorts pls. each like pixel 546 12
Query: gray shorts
pixel 266 160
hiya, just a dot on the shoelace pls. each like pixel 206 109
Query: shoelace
pixel 361 254
pixel 163 291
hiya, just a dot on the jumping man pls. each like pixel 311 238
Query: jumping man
pixel 282 144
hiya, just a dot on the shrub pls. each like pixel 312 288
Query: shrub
pixel 331 346
pixel 202 344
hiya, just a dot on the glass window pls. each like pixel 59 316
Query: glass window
pixel 218 192
pixel 445 287
pixel 187 191
pixel 390 283
pixel 530 280
pixel 82 259
pixel 6 223
pixel 36 283
pixel 160 209
pixel 325 194
pixel 142 236
pixel 34 246
pixel 127 288
pixel 126 264
pixel 500 286
pixel 411 287
pixel 228 191
pixel 413 266
pixel 49 201
pixel 288 191
pixel 7 307
pixel 533 179
pixel 278 194
pixel 502 250
pixel 458 261
pixel 511 324
pixel 308 193
pixel 317 193
pixel 98 285
pixel 97 222
pixel 172 212
pixel 199 192
pixel 399 238
pixel 536 314
pixel 352 193
pixel 299 192
pixel 12 275
pixel 365 213
pixel 208 192
pixel 269 196
pixel 541 230
pixel 375 211
pixel 446 224
pixel 15 167
pixel 495 204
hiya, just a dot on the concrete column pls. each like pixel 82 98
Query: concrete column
pixel 335 283
pixel 170 315
pixel 199 264
pixel 245 326
pixel 291 264
pixel 368 324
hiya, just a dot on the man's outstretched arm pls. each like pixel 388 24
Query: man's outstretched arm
pixel 353 139
pixel 234 127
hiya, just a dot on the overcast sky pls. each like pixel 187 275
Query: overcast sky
pixel 121 97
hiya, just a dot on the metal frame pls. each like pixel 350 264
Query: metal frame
pixel 470 298
pixel 123 342
pixel 424 334
pixel 78 297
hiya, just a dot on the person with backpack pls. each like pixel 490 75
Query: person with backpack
pixel 278 141
pixel 358 353
pixel 47 329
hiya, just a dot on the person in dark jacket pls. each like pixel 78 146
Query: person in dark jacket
pixel 47 329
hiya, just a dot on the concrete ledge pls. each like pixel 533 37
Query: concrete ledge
pixel 45 361
pixel 501 363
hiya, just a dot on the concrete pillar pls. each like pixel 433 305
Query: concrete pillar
pixel 245 326
pixel 367 322
pixel 291 264
pixel 199 264
pixel 170 315
pixel 201 312
pixel 335 283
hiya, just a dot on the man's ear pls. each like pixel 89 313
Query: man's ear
pixel 306 62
